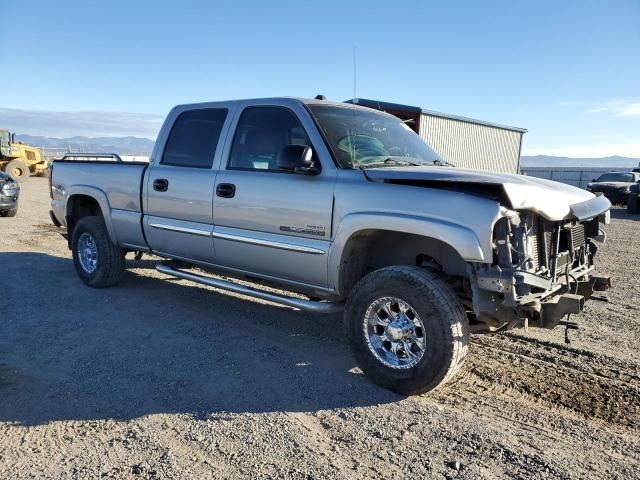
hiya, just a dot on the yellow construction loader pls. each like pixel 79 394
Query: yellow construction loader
pixel 19 161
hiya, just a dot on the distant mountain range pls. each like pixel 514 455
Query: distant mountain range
pixel 604 162
pixel 121 145
pixel 144 146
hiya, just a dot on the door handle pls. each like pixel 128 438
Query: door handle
pixel 161 184
pixel 226 190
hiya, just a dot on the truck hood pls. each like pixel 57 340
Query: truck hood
pixel 554 201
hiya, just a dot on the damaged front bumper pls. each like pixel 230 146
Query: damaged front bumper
pixel 542 270
pixel 497 303
pixel 549 311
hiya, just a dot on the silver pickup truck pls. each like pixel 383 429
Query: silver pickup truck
pixel 347 209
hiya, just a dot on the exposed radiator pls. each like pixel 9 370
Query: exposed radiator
pixel 576 237
pixel 540 243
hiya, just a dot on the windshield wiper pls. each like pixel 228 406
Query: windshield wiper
pixel 390 162
pixel 443 163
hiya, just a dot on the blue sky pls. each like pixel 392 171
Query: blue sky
pixel 567 71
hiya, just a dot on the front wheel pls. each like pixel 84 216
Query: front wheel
pixel 407 329
pixel 9 213
pixel 633 206
pixel 99 263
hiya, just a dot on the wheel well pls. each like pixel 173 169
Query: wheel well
pixel 78 207
pixel 369 250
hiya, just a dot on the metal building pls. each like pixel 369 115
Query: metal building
pixel 463 142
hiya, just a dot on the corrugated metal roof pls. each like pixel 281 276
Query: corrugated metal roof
pixel 397 106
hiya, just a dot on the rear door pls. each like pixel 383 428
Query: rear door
pixel 179 210
pixel 269 221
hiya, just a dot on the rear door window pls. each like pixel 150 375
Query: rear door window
pixel 194 138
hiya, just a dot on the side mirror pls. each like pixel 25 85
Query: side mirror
pixel 298 159
pixel 593 179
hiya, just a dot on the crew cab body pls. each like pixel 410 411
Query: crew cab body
pixel 221 192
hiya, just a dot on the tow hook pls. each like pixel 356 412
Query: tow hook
pixel 568 326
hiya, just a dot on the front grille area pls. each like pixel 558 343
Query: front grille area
pixel 549 250
pixel 604 189
pixel 534 244
pixel 553 247
pixel 540 254
pixel 576 238
pixel 539 242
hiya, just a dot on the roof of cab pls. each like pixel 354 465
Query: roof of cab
pixel 266 100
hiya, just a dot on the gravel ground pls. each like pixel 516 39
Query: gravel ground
pixel 160 378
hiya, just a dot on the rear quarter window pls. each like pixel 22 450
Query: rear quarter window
pixel 194 138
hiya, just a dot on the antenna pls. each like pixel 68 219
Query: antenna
pixel 354 101
pixel 354 74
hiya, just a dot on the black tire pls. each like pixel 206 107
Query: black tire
pixel 110 262
pixel 18 170
pixel 633 206
pixel 446 334
pixel 9 213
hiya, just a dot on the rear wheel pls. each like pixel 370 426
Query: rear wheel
pixel 18 170
pixel 633 204
pixel 99 263
pixel 407 329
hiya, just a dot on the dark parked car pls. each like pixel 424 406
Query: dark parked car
pixel 9 191
pixel 616 186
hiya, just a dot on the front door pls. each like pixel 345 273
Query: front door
pixel 179 210
pixel 269 221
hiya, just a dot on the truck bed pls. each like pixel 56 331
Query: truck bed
pixel 117 187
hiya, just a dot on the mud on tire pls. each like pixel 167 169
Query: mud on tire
pixel 110 263
pixel 446 328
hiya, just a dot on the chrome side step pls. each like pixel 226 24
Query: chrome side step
pixel 299 303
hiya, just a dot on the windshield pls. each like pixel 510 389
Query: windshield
pixel 360 139
pixel 616 177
